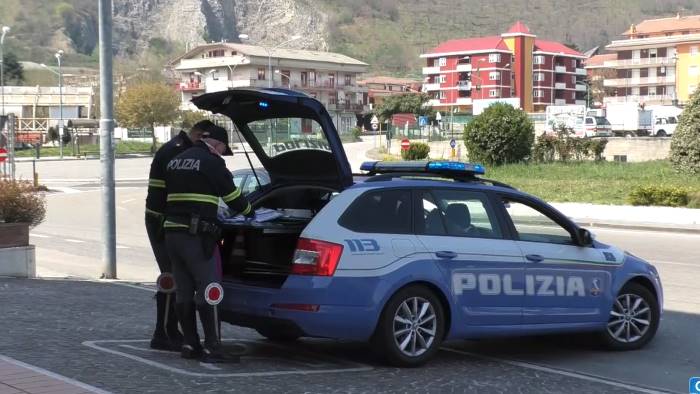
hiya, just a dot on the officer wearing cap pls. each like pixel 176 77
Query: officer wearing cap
pixel 166 336
pixel 195 180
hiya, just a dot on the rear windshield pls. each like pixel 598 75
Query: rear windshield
pixel 280 135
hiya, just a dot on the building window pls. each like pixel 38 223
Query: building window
pixel 348 79
pixel 442 78
pixel 694 51
pixel 261 74
pixel 539 59
pixel 493 93
pixel 331 80
pixel 442 95
pixel 539 77
pixel 652 91
pixel 442 62
pixel 573 79
pixel 494 76
pixel 538 93
pixel 494 57
pixel 693 71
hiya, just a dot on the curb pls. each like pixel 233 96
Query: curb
pixel 640 227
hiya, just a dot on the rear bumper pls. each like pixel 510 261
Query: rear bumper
pixel 342 313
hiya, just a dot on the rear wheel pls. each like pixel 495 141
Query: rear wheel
pixel 411 327
pixel 661 133
pixel 277 335
pixel 634 318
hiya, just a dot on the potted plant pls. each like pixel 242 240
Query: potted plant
pixel 21 207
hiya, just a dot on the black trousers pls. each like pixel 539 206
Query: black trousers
pixel 194 269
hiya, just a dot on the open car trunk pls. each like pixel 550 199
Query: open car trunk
pixel 261 254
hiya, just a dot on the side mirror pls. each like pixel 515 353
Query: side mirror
pixel 584 237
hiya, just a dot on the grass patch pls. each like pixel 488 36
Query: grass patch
pixel 121 147
pixel 592 182
pixel 381 155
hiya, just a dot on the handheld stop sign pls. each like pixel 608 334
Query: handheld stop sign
pixel 213 294
pixel 166 283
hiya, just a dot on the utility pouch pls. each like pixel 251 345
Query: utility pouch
pixel 194 225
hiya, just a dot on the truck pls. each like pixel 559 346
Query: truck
pixel 629 119
pixel 665 119
pixel 576 118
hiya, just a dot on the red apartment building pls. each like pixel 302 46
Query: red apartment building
pixel 513 65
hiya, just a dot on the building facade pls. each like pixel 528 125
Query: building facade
pixel 513 65
pixel 598 72
pixel 329 77
pixel 658 61
pixel 380 87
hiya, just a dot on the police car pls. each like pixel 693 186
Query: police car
pixel 416 254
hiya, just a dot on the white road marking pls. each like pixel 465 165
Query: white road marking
pixel 39 235
pixel 62 378
pixel 356 367
pixel 65 190
pixel 122 247
pixel 146 349
pixel 536 367
pixel 129 200
pixel 75 241
pixel 114 282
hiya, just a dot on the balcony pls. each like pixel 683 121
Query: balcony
pixel 464 101
pixel 560 85
pixel 464 85
pixel 657 98
pixel 560 69
pixel 624 82
pixel 633 63
pixel 191 86
pixel 464 67
pixel 581 71
pixel 431 87
pixel 431 70
pixel 559 101
pixel 434 102
pixel 580 87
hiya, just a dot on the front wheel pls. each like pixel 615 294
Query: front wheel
pixel 411 327
pixel 661 133
pixel 634 319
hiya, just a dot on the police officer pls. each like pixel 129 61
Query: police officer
pixel 195 181
pixel 166 336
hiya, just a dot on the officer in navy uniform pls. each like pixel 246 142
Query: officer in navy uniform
pixel 195 180
pixel 166 336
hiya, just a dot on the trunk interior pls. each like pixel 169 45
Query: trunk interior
pixel 261 254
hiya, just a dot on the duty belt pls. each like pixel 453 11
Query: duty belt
pixel 193 224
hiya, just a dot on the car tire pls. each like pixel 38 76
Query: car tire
pixel 277 335
pixel 634 319
pixel 661 133
pixel 400 337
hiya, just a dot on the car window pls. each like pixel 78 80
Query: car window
pixel 238 180
pixel 277 136
pixel 534 226
pixel 672 120
pixel 602 120
pixel 589 121
pixel 380 211
pixel 457 213
pixel 250 185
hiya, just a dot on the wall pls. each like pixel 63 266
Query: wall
pixel 683 79
pixel 638 149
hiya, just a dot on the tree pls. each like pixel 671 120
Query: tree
pixel 685 144
pixel 190 118
pixel 402 104
pixel 146 105
pixel 14 72
pixel 501 134
pixel 598 90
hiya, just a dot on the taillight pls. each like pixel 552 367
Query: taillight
pixel 314 257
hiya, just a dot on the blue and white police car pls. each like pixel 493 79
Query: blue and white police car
pixel 417 253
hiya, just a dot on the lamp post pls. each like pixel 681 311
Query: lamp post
pixel 60 98
pixel 289 79
pixel 5 30
pixel 269 51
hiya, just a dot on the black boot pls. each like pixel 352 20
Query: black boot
pixel 213 351
pixel 187 314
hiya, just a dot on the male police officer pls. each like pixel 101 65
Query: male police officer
pixel 195 180
pixel 166 335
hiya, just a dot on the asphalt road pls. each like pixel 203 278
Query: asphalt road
pixel 68 243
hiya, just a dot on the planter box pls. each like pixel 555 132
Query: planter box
pixel 18 262
pixel 14 234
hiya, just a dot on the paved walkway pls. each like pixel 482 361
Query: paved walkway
pixel 17 377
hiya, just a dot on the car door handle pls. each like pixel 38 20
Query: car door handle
pixel 535 258
pixel 445 254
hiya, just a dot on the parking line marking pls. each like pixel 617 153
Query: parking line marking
pixel 94 345
pixel 39 235
pixel 56 376
pixel 563 372
pixel 75 241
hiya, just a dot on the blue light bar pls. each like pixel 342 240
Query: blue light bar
pixel 436 167
pixel 263 104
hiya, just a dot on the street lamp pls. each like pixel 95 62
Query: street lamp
pixel 289 79
pixel 58 56
pixel 5 30
pixel 269 51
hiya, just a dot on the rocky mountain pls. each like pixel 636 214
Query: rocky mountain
pixel 388 34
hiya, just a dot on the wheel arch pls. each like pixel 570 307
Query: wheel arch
pixel 644 282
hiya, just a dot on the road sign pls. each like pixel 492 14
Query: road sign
pixel 405 143
pixel 166 283
pixel 3 155
pixel 374 122
pixel 438 116
pixel 453 143
pixel 213 294
pixel 422 121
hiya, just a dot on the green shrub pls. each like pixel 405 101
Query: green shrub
pixel 685 144
pixel 564 146
pixel 658 195
pixel 501 134
pixel 356 133
pixel 694 200
pixel 416 151
pixel 20 203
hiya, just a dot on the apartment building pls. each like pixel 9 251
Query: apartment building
pixel 658 61
pixel 379 87
pixel 515 64
pixel 598 72
pixel 329 77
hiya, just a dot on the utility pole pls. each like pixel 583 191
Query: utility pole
pixel 5 30
pixel 109 225
pixel 58 55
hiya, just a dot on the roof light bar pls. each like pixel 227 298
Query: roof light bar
pixel 441 167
